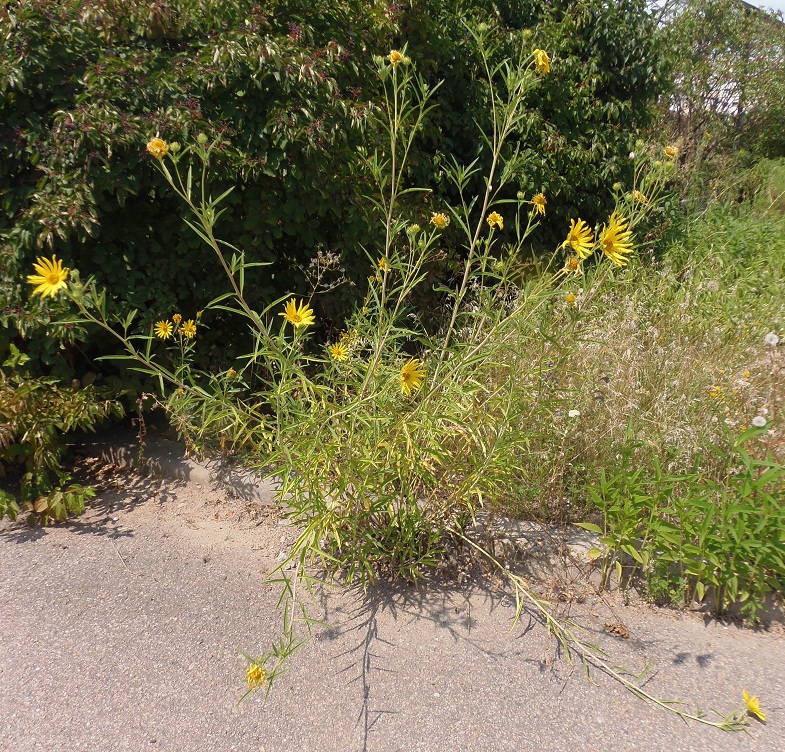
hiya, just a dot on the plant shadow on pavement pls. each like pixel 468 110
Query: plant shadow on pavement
pixel 472 612
pixel 117 493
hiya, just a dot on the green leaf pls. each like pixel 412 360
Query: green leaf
pixel 590 526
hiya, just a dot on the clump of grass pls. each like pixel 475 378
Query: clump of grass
pixel 674 351
pixel 674 379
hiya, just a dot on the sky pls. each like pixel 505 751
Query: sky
pixel 776 4
pixel 768 4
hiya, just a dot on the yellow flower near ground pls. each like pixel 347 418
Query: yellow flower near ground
pixel 50 277
pixel 163 329
pixel 383 264
pixel 396 58
pixel 539 202
pixel 339 351
pixel 298 315
pixel 753 705
pixel 157 147
pixel 255 675
pixel 639 197
pixel 615 240
pixel 412 374
pixel 440 220
pixel 177 318
pixel 189 329
pixel 671 152
pixel 580 238
pixel 542 62
pixel 495 220
pixel 573 265
pixel 570 298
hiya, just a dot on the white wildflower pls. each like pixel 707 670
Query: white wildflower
pixel 772 339
pixel 759 421
pixel 574 414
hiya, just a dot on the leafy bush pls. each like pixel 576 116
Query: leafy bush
pixel 285 97
pixel 85 85
pixel 609 70
pixel 34 413
pixel 690 535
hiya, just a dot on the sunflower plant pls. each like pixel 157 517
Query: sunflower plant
pixel 386 439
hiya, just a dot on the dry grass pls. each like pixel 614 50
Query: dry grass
pixel 669 357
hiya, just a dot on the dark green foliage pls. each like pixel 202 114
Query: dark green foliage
pixel 34 415
pixel 607 70
pixel 86 85
pixel 285 86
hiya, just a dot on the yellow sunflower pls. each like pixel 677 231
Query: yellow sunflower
pixel 580 238
pixel 573 265
pixel 339 351
pixel 542 62
pixel 412 374
pixel 157 147
pixel 383 264
pixel 189 329
pixel 671 152
pixel 539 202
pixel 298 316
pixel 396 58
pixel 615 240
pixel 255 675
pixel 440 220
pixel 50 278
pixel 753 706
pixel 495 219
pixel 177 318
pixel 163 329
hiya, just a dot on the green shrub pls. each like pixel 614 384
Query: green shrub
pixel 608 71
pixel 34 415
pixel 84 86
pixel 690 535
pixel 285 94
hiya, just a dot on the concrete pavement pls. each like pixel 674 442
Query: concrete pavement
pixel 123 629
